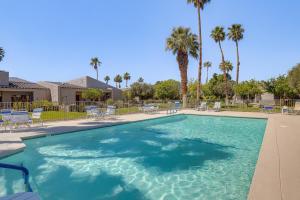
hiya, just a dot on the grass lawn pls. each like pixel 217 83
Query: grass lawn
pixel 60 115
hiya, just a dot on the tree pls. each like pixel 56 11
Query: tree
pixel 118 80
pixel 294 78
pixel 140 80
pixel 218 35
pixel 280 87
pixel 142 90
pixel 95 62
pixel 199 4
pixel 167 90
pixel 216 87
pixel 92 94
pixel 207 65
pixel 248 89
pixel 126 77
pixel 106 79
pixel 183 43
pixel 236 34
pixel 2 54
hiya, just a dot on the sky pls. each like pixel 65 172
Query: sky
pixel 54 40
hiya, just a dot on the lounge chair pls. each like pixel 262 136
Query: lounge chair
pixel 202 107
pixel 18 118
pixel 296 109
pixel 217 107
pixel 150 108
pixel 268 108
pixel 177 106
pixel 37 115
pixel 110 111
pixel 93 112
pixel 5 115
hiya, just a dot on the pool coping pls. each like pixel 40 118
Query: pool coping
pixel 267 182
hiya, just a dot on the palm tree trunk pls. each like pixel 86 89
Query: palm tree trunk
pixel 126 83
pixel 207 75
pixel 224 74
pixel 97 73
pixel 182 59
pixel 200 55
pixel 238 63
pixel 116 84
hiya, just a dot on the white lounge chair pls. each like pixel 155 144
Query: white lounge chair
pixel 18 118
pixel 93 112
pixel 217 107
pixel 174 108
pixel 110 111
pixel 5 115
pixel 150 108
pixel 202 107
pixel 296 109
pixel 37 115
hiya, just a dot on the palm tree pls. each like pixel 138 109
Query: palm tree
pixel 226 67
pixel 141 80
pixel 207 65
pixel 199 4
pixel 183 43
pixel 95 62
pixel 2 54
pixel 218 35
pixel 118 80
pixel 236 34
pixel 106 79
pixel 126 77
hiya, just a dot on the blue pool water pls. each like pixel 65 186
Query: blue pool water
pixel 179 157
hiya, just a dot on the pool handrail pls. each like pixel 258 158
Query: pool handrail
pixel 24 171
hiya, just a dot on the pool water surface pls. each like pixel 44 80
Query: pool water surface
pixel 178 157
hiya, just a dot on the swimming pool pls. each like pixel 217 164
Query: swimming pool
pixel 178 157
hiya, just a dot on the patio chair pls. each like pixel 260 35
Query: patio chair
pixel 110 111
pixel 37 115
pixel 296 109
pixel 217 107
pixel 202 107
pixel 177 106
pixel 93 112
pixel 5 117
pixel 19 118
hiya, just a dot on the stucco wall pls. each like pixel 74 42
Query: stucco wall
pixel 54 90
pixel 37 94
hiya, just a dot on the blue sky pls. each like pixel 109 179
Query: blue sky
pixel 55 39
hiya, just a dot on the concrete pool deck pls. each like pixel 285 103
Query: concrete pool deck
pixel 277 173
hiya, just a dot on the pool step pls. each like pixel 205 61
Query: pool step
pixel 22 196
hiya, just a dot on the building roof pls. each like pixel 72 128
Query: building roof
pixel 17 83
pixel 65 85
pixel 89 82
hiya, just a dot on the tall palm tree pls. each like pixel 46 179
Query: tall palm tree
pixel 199 4
pixel 95 62
pixel 106 79
pixel 236 34
pixel 2 54
pixel 207 65
pixel 218 35
pixel 183 43
pixel 126 77
pixel 118 80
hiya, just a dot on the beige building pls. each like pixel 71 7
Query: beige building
pixel 89 82
pixel 18 90
pixel 63 93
